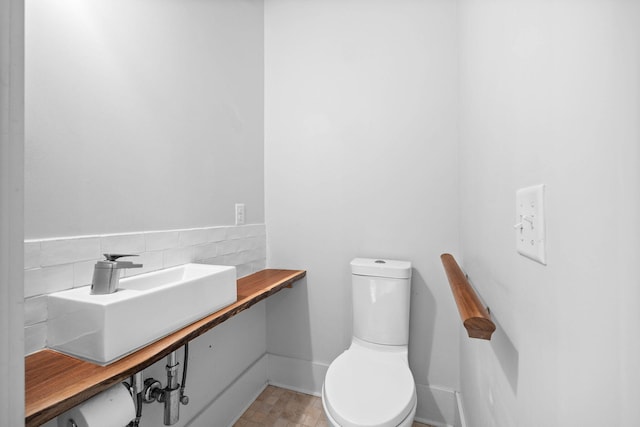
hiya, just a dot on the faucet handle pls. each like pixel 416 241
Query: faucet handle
pixel 114 257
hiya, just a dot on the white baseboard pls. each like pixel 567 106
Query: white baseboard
pixel 437 406
pixel 462 421
pixel 295 374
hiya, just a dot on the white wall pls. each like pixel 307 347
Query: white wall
pixel 142 115
pixel 360 160
pixel 11 210
pixel 550 93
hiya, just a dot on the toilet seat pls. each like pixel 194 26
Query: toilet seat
pixel 367 387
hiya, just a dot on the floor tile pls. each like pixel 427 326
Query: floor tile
pixel 278 407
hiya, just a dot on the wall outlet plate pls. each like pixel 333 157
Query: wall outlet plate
pixel 530 223
pixel 240 214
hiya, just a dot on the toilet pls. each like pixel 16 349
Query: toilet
pixel 370 384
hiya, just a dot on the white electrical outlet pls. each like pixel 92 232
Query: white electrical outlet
pixel 530 229
pixel 239 213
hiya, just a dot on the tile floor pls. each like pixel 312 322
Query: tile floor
pixel 278 407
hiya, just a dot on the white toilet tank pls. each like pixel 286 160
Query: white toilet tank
pixel 381 297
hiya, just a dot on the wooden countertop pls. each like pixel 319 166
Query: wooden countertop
pixel 56 382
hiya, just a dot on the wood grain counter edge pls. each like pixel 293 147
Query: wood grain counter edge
pixel 54 382
pixel 475 317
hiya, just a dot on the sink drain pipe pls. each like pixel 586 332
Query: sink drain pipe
pixel 173 394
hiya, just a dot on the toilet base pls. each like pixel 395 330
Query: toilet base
pixel 407 422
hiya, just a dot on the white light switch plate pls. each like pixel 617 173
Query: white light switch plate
pixel 530 228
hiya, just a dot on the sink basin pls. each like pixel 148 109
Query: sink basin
pixel 104 328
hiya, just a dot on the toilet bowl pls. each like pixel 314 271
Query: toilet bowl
pixel 370 384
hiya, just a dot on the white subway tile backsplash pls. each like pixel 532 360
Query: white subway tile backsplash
pixel 83 273
pixel 243 244
pixel 237 258
pixel 258 265
pixel 65 251
pixel 230 259
pixel 249 243
pixel 88 249
pixel 254 230
pixel 243 270
pixel 35 337
pixel 229 246
pixel 173 257
pixel 259 253
pixel 31 255
pixel 46 280
pixel 57 264
pixel 123 243
pixel 259 242
pixel 33 283
pixel 208 250
pixel 58 277
pixel 35 310
pixel 193 237
pixel 160 240
pixel 246 257
pixel 234 233
pixel 213 261
pixel 151 261
pixel 217 234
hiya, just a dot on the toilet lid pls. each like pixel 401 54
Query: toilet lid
pixel 368 388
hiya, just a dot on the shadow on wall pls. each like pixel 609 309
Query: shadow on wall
pixel 421 336
pixel 288 323
pixel 506 353
pixel 421 332
pixel 421 326
pixel 422 318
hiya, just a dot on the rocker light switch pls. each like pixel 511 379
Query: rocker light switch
pixel 530 230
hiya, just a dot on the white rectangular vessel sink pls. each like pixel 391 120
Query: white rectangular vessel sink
pixel 104 328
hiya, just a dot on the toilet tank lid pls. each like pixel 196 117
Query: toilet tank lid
pixel 381 268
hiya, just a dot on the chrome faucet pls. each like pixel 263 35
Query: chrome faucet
pixel 106 274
